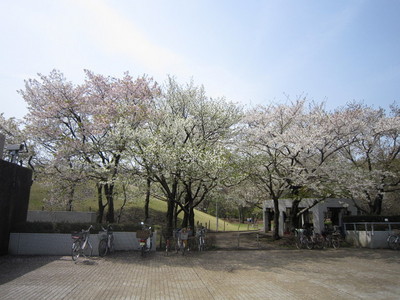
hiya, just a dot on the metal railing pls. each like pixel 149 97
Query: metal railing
pixel 371 226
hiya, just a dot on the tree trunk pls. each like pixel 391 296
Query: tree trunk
pixel 241 217
pixel 377 205
pixel 175 217
pixel 123 204
pixel 188 215
pixel 109 192
pixel 71 197
pixel 100 203
pixel 170 217
pixel 186 211
pixel 276 219
pixel 191 218
pixel 147 200
pixel 294 219
pixel 185 220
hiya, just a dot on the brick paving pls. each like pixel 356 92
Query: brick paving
pixel 246 274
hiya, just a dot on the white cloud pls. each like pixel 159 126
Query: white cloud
pixel 118 35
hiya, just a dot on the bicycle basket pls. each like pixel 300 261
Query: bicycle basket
pixel 184 235
pixel 76 235
pixel 142 234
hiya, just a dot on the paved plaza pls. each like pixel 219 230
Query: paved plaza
pixel 348 273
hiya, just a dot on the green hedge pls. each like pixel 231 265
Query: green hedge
pixel 361 219
pixel 49 227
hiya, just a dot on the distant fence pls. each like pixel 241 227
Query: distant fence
pixel 369 234
pixel 61 216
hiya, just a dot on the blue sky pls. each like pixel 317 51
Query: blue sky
pixel 251 52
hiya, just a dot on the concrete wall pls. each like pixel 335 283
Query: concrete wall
pixel 60 244
pixel 61 216
pixel 15 186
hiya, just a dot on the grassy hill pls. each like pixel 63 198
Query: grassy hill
pixel 133 212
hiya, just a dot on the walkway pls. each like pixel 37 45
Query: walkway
pixel 251 274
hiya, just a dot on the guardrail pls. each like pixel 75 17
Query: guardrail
pixel 369 234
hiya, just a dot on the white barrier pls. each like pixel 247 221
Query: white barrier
pixel 367 235
pixel 61 243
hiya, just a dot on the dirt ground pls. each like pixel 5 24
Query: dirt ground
pixel 248 240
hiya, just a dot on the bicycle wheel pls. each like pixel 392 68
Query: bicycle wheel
pixel 397 243
pixel 143 251
pixel 309 243
pixel 298 242
pixel 111 248
pixel 335 242
pixel 201 244
pixel 319 241
pixel 76 246
pixel 183 247
pixel 88 251
pixel 392 242
pixel 103 247
pixel 327 242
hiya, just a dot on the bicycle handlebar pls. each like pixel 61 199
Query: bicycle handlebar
pixel 88 230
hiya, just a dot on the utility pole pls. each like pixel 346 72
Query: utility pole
pixel 216 213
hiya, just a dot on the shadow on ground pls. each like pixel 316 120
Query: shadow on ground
pixel 12 267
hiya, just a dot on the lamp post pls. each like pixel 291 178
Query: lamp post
pixel 216 213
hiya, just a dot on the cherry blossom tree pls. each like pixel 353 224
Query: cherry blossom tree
pixel 185 144
pixel 266 154
pixel 183 148
pixel 370 169
pixel 82 127
pixel 289 148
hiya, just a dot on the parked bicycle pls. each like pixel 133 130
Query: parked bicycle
pixel 145 239
pixel 183 240
pixel 316 241
pixel 302 238
pixel 393 240
pixel 201 235
pixel 81 244
pixel 106 243
pixel 167 246
pixel 332 238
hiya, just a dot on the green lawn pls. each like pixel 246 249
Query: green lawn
pixel 134 210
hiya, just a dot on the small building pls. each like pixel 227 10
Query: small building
pixel 329 210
